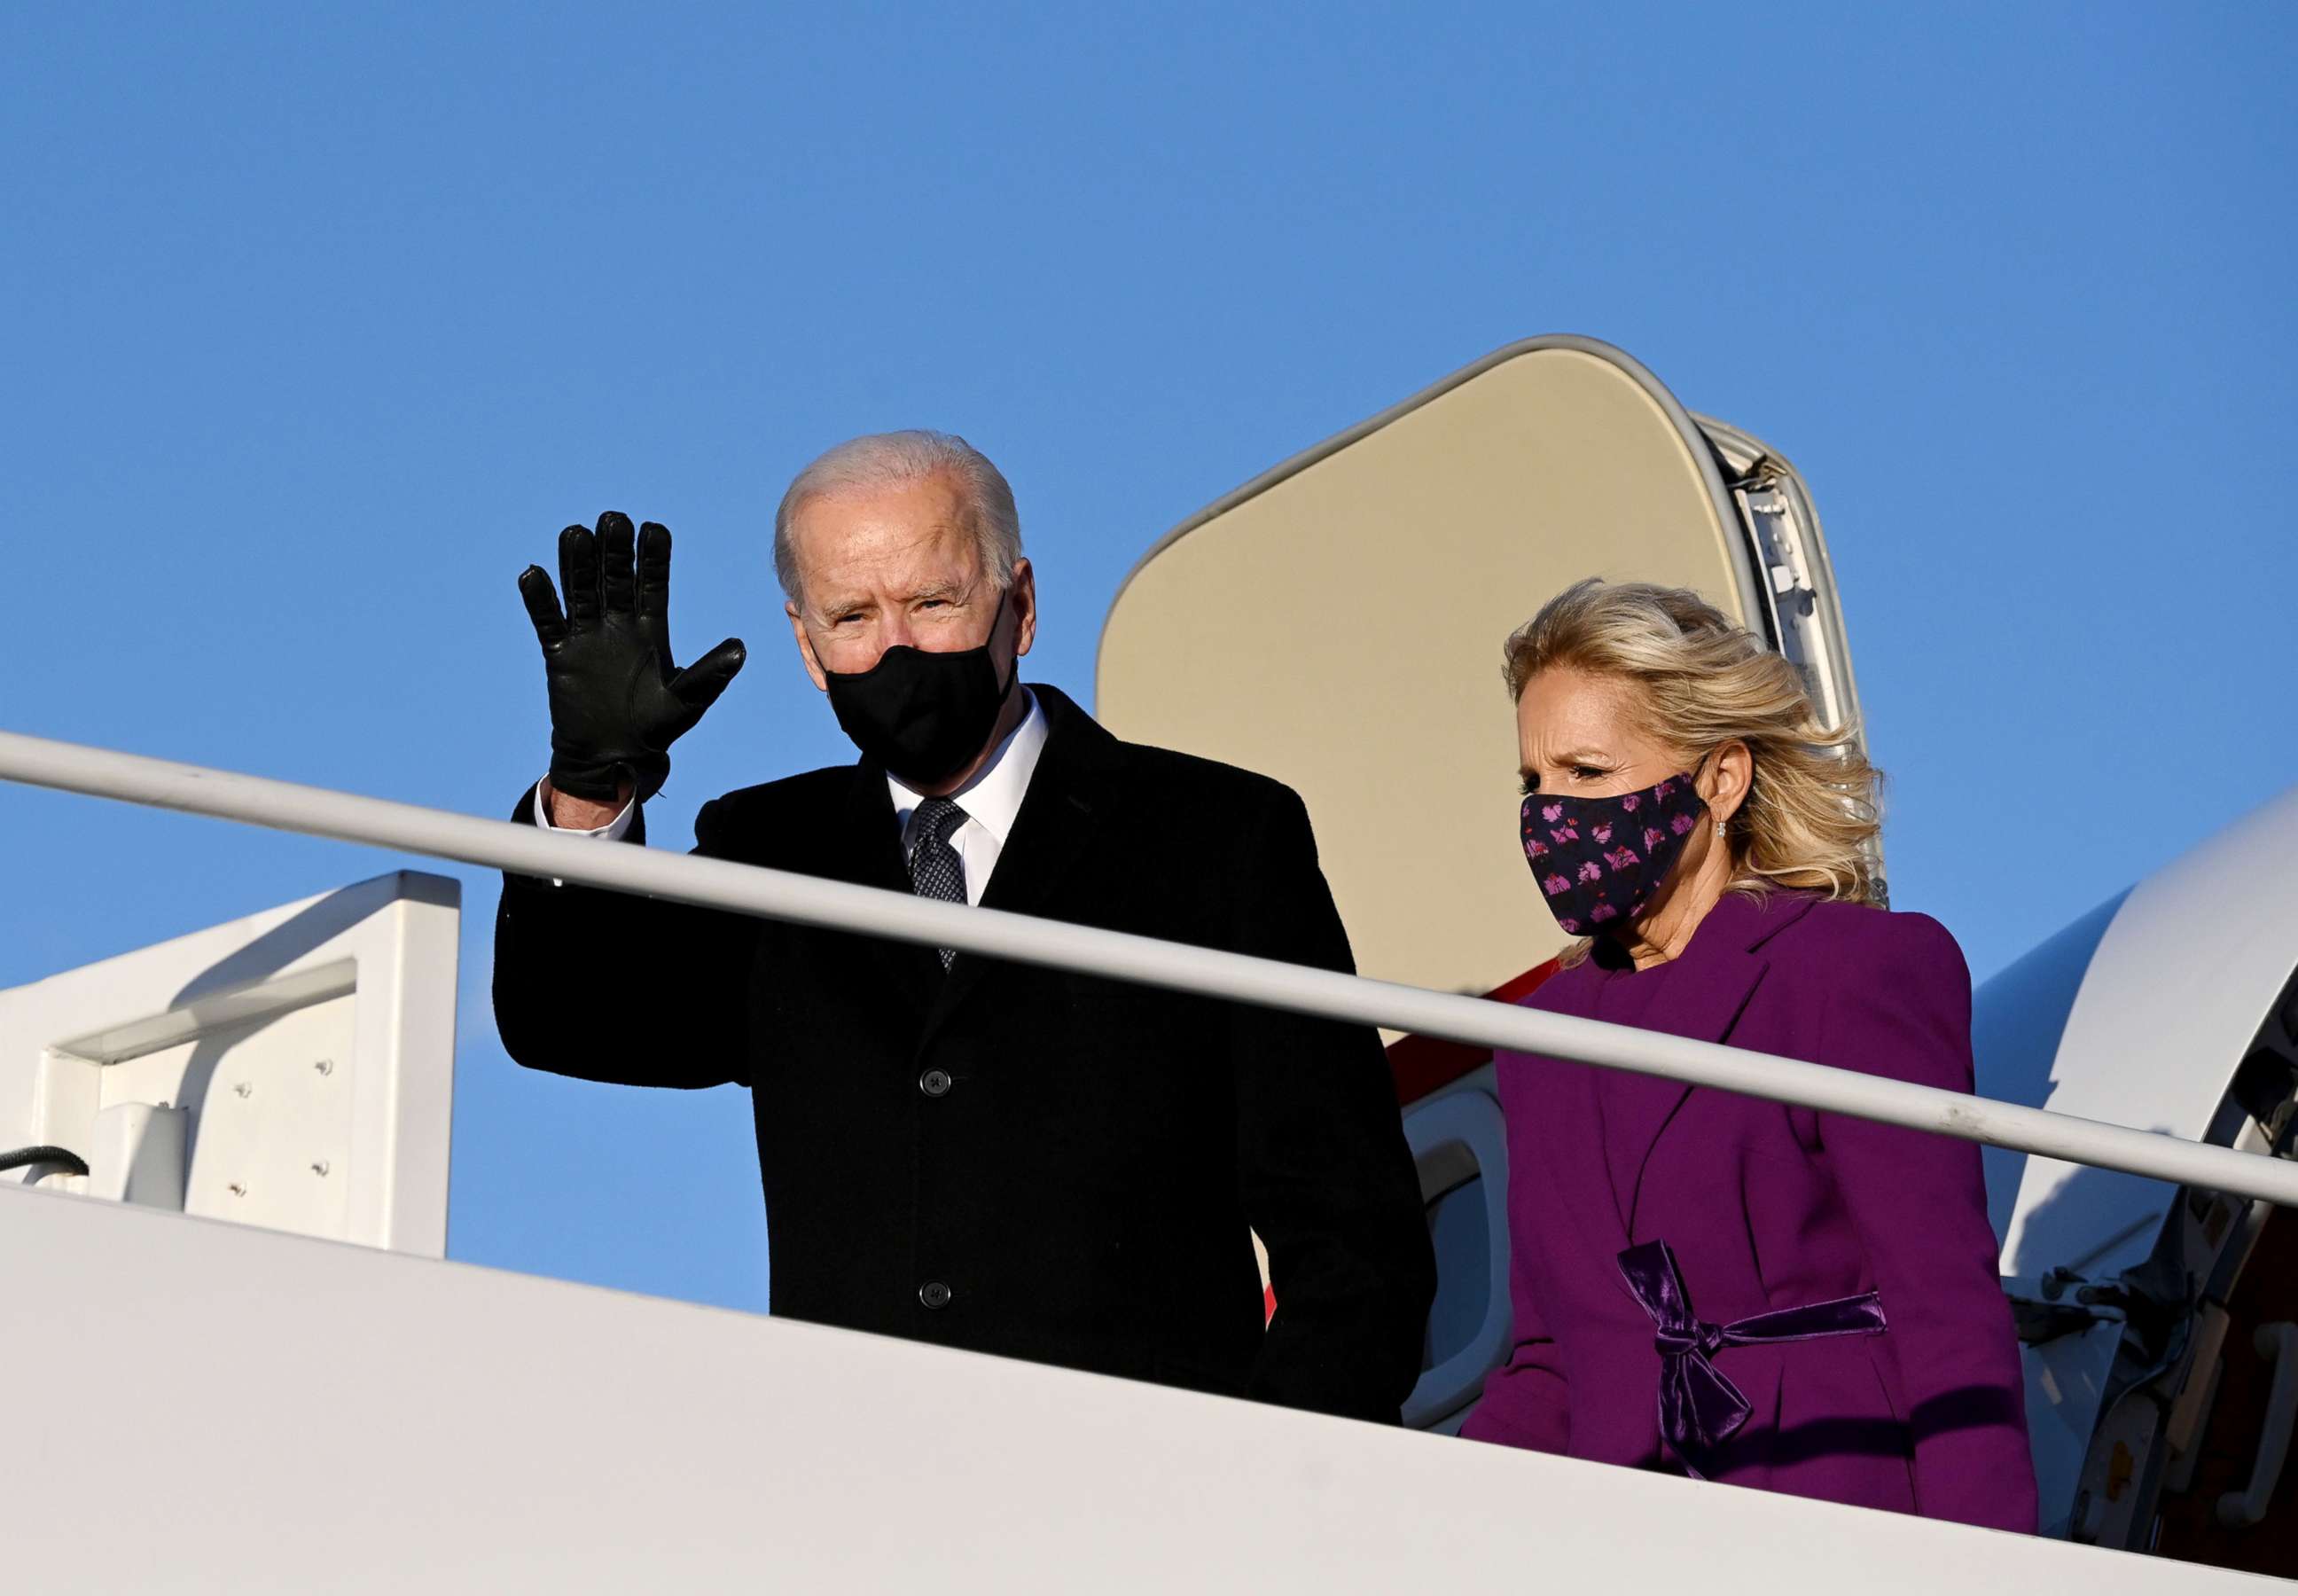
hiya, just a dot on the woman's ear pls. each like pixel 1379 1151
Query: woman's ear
pixel 1731 773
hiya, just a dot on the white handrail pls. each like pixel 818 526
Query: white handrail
pixel 808 900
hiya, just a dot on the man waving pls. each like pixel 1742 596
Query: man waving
pixel 958 1150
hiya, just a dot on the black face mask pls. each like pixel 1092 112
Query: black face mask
pixel 919 714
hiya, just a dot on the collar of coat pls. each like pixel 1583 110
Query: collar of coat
pixel 1708 987
pixel 1055 824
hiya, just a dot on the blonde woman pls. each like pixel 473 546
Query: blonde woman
pixel 1706 1283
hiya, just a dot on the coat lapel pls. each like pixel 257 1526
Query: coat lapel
pixel 1637 1108
pixel 1562 1110
pixel 1055 826
pixel 1707 992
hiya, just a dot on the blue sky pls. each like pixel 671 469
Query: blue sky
pixel 319 322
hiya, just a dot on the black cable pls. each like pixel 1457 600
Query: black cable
pixel 72 1163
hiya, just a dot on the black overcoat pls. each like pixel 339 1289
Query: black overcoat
pixel 1016 1160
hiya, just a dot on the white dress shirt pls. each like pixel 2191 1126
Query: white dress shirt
pixel 992 801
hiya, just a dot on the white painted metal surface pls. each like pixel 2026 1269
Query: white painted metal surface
pixel 293 1069
pixel 904 917
pixel 332 1419
pixel 2140 1014
pixel 2190 964
pixel 1460 1145
pixel 139 1152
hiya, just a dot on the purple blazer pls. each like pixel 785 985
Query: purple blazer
pixel 1765 1208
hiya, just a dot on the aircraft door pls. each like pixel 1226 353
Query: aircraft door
pixel 1337 623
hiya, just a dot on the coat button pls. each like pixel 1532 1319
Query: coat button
pixel 934 1294
pixel 935 1083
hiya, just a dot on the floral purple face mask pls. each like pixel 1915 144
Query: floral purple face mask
pixel 1600 860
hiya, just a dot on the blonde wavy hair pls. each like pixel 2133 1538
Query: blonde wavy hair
pixel 1699 682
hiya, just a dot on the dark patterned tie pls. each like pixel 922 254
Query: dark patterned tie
pixel 935 869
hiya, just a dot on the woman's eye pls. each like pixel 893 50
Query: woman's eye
pixel 1527 785
pixel 1585 773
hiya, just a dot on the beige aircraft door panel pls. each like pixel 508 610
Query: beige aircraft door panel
pixel 1338 625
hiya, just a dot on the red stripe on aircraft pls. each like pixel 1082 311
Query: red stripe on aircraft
pixel 1422 1064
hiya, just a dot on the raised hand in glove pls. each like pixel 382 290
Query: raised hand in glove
pixel 616 701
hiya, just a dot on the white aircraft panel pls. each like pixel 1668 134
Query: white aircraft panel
pixel 275 1136
pixel 2138 1013
pixel 2189 966
pixel 334 1419
pixel 292 1069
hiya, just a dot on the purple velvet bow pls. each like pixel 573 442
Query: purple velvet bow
pixel 1699 1408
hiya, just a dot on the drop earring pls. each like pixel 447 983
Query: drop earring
pixel 1719 831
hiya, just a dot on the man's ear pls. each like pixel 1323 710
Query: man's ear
pixel 805 648
pixel 1022 596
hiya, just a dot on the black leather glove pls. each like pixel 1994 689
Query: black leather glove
pixel 616 701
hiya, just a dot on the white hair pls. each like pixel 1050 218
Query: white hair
pixel 890 459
